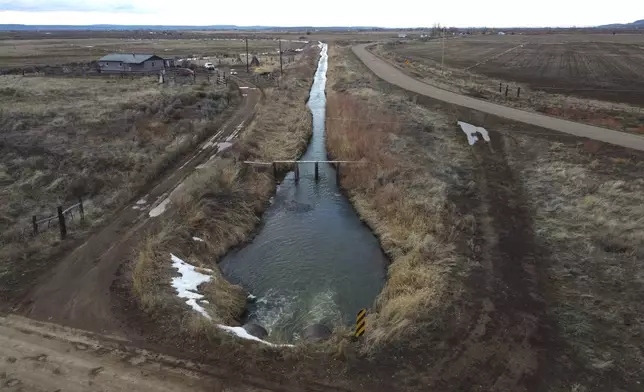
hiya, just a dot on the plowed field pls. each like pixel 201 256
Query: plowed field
pixel 595 66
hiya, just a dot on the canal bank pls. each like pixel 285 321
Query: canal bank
pixel 313 261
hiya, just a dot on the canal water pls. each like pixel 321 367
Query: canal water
pixel 313 261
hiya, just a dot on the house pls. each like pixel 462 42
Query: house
pixel 130 62
pixel 402 35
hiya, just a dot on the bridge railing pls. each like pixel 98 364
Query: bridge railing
pixel 296 167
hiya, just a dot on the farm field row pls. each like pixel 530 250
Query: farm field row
pixel 602 67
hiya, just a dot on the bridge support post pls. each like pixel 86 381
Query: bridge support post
pixel 274 171
pixel 297 172
pixel 317 174
pixel 337 173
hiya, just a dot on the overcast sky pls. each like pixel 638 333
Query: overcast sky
pixel 462 13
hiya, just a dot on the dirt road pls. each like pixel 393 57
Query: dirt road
pixel 395 76
pixel 77 292
pixel 46 357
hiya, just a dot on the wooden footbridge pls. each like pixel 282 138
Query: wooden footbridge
pixel 296 166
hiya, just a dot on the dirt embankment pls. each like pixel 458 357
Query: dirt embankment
pixel 470 302
pixel 42 357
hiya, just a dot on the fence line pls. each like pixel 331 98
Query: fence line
pixel 60 215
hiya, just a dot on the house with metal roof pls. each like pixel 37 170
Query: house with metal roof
pixel 130 62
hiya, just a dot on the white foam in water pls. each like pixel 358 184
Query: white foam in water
pixel 323 306
pixel 187 285
pixel 272 309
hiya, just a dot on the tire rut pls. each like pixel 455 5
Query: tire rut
pixel 507 345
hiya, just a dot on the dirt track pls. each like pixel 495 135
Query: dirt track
pixel 46 357
pixel 395 76
pixel 77 292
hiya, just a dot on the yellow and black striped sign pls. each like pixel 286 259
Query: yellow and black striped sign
pixel 361 322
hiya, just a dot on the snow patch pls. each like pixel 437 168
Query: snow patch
pixel 142 201
pixel 187 284
pixel 241 332
pixel 223 146
pixel 159 209
pixel 211 141
pixel 234 134
pixel 197 239
pixel 472 132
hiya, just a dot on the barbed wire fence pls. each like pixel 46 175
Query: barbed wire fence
pixel 62 217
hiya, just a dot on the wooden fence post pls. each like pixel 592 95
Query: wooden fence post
pixel 506 90
pixel 337 173
pixel 500 87
pixel 34 224
pixel 61 222
pixel 297 172
pixel 518 92
pixel 317 174
pixel 80 208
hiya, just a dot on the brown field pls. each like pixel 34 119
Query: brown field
pixel 595 66
pixel 23 53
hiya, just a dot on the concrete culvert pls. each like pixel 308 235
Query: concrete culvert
pixel 316 332
pixel 256 330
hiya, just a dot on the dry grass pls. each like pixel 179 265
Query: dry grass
pixel 403 194
pixel 218 204
pixel 584 206
pixel 589 214
pixel 102 139
pixel 222 204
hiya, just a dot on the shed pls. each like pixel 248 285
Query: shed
pixel 131 62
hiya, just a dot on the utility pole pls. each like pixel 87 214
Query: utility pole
pixel 281 69
pixel 247 66
pixel 443 56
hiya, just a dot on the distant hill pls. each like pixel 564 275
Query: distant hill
pixel 108 27
pixel 638 24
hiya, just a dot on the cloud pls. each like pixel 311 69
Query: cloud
pixel 69 5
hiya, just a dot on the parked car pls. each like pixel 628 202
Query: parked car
pixel 233 72
pixel 209 66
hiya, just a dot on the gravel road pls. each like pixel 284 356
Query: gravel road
pixel 395 76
